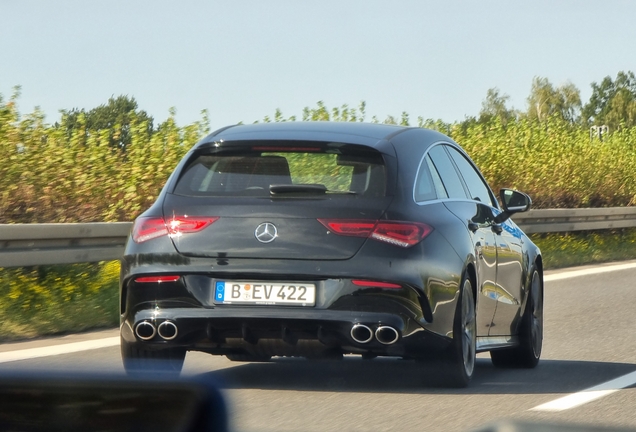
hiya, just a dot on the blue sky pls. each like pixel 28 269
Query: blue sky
pixel 243 59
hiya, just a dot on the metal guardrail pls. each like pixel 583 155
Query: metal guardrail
pixel 39 244
pixel 568 220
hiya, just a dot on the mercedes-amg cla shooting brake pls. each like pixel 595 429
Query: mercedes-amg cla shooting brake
pixel 323 239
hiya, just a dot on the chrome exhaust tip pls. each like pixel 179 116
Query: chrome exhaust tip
pixel 361 333
pixel 167 330
pixel 145 330
pixel 387 335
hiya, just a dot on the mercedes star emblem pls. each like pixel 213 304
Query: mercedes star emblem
pixel 266 232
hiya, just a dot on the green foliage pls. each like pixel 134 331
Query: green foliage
pixel 571 249
pixel 50 175
pixel 342 114
pixel 116 117
pixel 554 161
pixel 546 101
pixel 43 300
pixel 496 106
pixel 613 103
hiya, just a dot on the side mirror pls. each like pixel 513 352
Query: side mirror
pixel 513 202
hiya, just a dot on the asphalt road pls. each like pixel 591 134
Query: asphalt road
pixel 590 339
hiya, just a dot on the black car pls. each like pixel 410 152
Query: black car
pixel 321 239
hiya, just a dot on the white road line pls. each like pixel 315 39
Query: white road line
pixel 32 353
pixel 588 395
pixel 588 271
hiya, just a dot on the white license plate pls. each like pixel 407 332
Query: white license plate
pixel 266 293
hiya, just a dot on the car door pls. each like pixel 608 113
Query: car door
pixel 509 279
pixel 507 288
pixel 477 217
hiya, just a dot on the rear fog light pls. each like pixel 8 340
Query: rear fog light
pixel 157 279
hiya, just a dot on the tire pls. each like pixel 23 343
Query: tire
pixel 527 354
pixel 240 357
pixel 138 360
pixel 459 361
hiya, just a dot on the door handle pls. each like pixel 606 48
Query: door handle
pixel 472 226
pixel 497 229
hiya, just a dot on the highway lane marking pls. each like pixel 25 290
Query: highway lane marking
pixel 587 272
pixel 588 395
pixel 53 350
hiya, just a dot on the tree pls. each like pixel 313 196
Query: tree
pixel 545 100
pixel 495 106
pixel 612 102
pixel 116 116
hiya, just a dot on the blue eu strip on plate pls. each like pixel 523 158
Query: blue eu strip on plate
pixel 220 291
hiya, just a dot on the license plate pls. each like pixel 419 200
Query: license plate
pixel 265 293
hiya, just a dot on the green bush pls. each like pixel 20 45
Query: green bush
pixel 55 173
pixel 555 162
pixel 43 300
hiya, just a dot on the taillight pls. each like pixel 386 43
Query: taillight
pixel 349 227
pixel 403 234
pixel 157 279
pixel 146 228
pixel 374 284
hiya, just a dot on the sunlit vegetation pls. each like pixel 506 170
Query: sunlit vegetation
pixel 43 300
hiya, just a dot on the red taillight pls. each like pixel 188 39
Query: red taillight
pixel 184 224
pixel 349 227
pixel 149 228
pixel 403 234
pixel 157 279
pixel 374 284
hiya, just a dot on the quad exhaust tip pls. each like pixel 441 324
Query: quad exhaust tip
pixel 387 335
pixel 361 333
pixel 145 330
pixel 167 330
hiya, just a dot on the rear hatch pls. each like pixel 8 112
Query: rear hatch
pixel 275 200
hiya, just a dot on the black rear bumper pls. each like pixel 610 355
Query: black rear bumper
pixel 282 331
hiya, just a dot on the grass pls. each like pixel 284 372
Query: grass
pixel 573 249
pixel 49 300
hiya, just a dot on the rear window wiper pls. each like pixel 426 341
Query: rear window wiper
pixel 318 189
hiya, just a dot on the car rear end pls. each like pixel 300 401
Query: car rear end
pixel 278 247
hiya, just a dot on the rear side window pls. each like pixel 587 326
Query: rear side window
pixel 428 185
pixel 253 170
pixel 448 173
pixel 476 186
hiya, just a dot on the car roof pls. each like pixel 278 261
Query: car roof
pixel 370 134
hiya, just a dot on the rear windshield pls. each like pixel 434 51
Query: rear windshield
pixel 286 171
